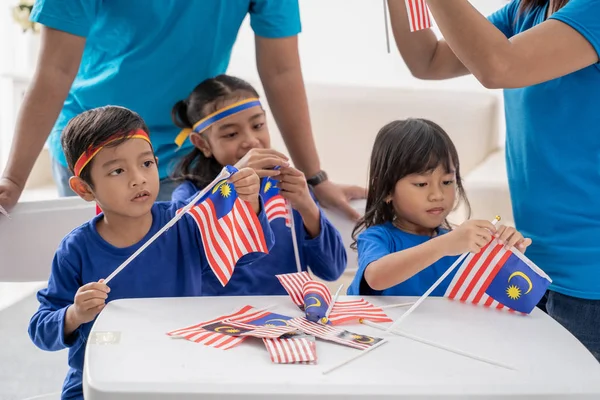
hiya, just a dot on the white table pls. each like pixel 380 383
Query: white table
pixel 140 361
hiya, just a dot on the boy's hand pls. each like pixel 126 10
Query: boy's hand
pixel 263 161
pixel 90 299
pixel 293 187
pixel 471 236
pixel 247 185
pixel 512 237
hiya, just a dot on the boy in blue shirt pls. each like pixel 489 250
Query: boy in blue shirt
pixel 109 152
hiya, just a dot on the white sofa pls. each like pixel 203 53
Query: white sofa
pixel 345 121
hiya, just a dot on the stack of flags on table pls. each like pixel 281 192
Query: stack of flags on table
pixel 287 340
pixel 500 278
pixel 314 298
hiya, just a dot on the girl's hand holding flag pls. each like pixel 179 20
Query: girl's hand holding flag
pixel 263 161
pixel 247 185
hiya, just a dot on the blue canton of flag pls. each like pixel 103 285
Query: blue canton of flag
pixel 519 284
pixel 316 300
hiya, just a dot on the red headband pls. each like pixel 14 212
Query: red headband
pixel 91 152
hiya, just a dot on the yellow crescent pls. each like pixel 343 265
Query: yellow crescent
pixel 317 302
pixel 278 320
pixel 217 329
pixel 368 340
pixel 218 185
pixel 522 275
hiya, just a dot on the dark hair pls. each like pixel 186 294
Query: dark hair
pixel 402 148
pixel 527 5
pixel 205 99
pixel 92 128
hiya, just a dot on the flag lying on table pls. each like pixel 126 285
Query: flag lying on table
pixel 336 335
pixel 229 229
pixel 314 298
pixel 285 344
pixel 500 278
pixel 274 202
pixel 218 335
pixel 418 15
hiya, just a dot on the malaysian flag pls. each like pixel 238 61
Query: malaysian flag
pixel 218 335
pixel 275 204
pixel 336 335
pixel 292 349
pixel 500 278
pixel 262 324
pixel 229 228
pixel 418 15
pixel 314 298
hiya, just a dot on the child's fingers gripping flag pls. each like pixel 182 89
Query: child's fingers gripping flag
pixel 498 277
pixel 229 229
pixel 418 15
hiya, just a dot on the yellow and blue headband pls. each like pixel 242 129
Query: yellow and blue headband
pixel 218 115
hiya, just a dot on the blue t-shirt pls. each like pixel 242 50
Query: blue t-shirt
pixel 324 254
pixel 174 265
pixel 553 157
pixel 379 241
pixel 148 54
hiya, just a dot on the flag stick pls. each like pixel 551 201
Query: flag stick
pixel 354 357
pixel 4 212
pixel 290 212
pixel 397 305
pixel 439 346
pixel 432 288
pixel 223 175
pixel 335 297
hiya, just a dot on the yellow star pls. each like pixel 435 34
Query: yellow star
pixel 225 190
pixel 513 292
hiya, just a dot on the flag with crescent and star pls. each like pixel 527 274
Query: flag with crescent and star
pixel 274 202
pixel 229 228
pixel 314 298
pixel 500 278
pixel 336 335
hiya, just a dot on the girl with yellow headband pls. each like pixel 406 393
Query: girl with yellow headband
pixel 226 123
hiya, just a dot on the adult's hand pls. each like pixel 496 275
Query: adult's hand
pixel 9 193
pixel 334 196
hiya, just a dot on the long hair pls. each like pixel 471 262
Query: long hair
pixel 206 98
pixel 527 5
pixel 402 148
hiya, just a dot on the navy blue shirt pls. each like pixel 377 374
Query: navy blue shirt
pixel 173 265
pixel 324 254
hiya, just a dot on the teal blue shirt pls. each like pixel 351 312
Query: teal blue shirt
pixel 148 54
pixel 380 240
pixel 553 157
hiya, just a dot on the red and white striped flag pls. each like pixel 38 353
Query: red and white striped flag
pixel 336 335
pixel 229 228
pixel 418 15
pixel 220 336
pixel 301 286
pixel 500 278
pixel 275 204
pixel 294 284
pixel 354 310
pixel 292 350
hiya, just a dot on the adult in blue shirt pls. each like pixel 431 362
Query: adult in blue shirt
pixel 146 55
pixel 545 54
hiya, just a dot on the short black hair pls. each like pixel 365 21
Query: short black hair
pixel 94 127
